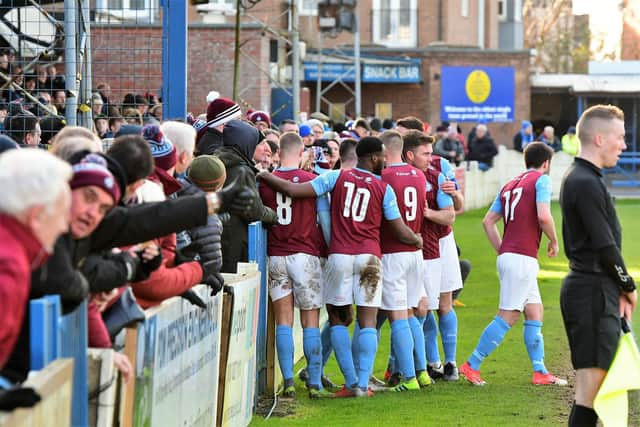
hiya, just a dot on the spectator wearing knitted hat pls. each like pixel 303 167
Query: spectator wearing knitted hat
pixel 260 120
pixel 165 158
pixel 219 112
pixel 207 173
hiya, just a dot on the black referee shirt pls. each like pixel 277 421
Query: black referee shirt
pixel 589 219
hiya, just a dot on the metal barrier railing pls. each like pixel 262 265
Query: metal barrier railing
pixel 258 254
pixel 54 336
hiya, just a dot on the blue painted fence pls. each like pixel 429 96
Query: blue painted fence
pixel 258 254
pixel 56 336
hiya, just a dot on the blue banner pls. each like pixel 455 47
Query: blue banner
pixel 477 94
pixel 371 73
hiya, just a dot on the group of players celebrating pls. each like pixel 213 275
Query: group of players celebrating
pixel 377 233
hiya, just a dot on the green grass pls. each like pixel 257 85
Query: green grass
pixel 508 398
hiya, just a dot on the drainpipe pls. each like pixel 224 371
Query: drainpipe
pixel 481 24
pixel 439 20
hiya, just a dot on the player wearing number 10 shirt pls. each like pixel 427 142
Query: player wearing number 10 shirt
pixel 359 203
pixel 524 206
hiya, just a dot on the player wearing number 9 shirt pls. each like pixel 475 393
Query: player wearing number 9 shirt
pixel 359 202
pixel 295 275
pixel 524 206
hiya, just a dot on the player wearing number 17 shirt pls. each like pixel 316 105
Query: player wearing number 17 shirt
pixel 295 274
pixel 359 203
pixel 524 206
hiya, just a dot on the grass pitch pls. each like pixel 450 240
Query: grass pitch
pixel 508 398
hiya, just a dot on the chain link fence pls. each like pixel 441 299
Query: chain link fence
pixel 96 64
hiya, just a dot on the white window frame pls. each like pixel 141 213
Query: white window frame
pixel 308 11
pixel 126 13
pixel 375 25
pixel 464 8
pixel 502 15
pixel 517 10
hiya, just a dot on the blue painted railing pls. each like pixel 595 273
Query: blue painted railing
pixel 56 336
pixel 258 254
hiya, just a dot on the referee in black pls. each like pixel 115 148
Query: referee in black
pixel 598 290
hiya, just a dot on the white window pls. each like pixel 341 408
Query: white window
pixel 395 23
pixel 502 10
pixel 139 11
pixel 308 7
pixel 464 8
pixel 517 10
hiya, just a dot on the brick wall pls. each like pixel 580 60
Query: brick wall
pixel 423 100
pixel 130 60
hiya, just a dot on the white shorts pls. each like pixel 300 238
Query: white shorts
pixel 451 275
pixel 518 281
pixel 353 278
pixel 298 273
pixel 432 278
pixel 402 282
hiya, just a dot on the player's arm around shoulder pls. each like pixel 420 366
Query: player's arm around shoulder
pixel 545 218
pixel 445 214
pixel 288 188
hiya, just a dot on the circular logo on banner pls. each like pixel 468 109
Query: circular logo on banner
pixel 478 86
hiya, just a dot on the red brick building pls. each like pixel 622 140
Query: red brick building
pixel 437 33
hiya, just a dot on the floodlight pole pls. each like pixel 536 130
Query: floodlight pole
pixel 295 59
pixel 356 58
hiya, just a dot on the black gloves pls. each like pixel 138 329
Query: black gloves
pixel 147 267
pixel 193 298
pixel 17 397
pixel 215 281
pixel 236 199
pixel 212 277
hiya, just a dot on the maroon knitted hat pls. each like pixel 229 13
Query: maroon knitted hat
pixel 260 116
pixel 163 151
pixel 92 170
pixel 221 110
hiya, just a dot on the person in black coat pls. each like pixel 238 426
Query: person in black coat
pixel 240 142
pixel 482 148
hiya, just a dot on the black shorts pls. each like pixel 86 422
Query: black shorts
pixel 589 304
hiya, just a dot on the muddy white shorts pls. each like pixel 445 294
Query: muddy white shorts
pixel 298 273
pixel 353 279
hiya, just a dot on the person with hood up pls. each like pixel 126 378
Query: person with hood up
pixel 240 141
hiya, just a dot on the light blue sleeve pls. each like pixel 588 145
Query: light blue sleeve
pixel 324 219
pixel 325 183
pixel 390 205
pixel 448 170
pixel 443 199
pixel 543 189
pixel 322 203
pixel 497 205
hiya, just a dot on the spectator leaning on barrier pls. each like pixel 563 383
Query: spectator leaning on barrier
pixel 482 148
pixel 240 142
pixel 547 136
pixel 34 211
pixel 524 137
pixel 570 142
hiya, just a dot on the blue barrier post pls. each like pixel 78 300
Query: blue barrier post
pixel 258 254
pixel 174 59
pixel 55 336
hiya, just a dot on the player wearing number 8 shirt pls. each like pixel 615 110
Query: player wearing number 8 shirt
pixel 359 202
pixel 524 206
pixel 295 275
